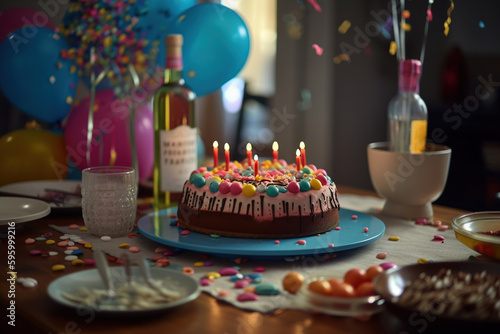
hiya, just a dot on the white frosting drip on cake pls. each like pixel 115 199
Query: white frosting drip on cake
pixel 262 206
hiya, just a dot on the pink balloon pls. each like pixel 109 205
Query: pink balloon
pixel 111 122
pixel 15 18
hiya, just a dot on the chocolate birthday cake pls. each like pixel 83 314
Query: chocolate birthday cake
pixel 278 201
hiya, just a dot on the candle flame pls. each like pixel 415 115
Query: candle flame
pixel 249 147
pixel 297 153
pixel 275 146
pixel 302 145
pixel 226 147
pixel 256 157
pixel 216 144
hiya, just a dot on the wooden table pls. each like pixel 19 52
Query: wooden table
pixel 35 312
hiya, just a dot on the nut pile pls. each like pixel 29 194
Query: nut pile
pixel 451 293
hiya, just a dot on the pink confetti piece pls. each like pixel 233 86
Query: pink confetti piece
pixel 354 217
pixel 315 5
pixel 319 49
pixel 185 232
pixel 259 269
pixel 438 238
pixel 338 228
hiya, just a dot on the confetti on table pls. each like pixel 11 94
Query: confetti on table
pixel 315 5
pixel 318 49
pixel 394 238
pixel 344 26
pixel 382 255
pixel 393 48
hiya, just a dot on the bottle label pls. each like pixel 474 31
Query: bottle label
pixel 178 157
pixel 418 136
pixel 174 63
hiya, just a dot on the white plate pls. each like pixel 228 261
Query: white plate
pixel 38 189
pixel 21 210
pixel 90 279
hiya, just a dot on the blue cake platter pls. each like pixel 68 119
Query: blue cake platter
pixel 160 227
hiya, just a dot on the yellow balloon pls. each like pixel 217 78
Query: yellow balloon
pixel 32 154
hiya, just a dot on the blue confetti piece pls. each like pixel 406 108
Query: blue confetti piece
pixel 481 24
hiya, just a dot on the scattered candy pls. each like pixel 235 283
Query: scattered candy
pixel 330 245
pixel 62 243
pixel 40 239
pixel 83 229
pixel 35 252
pixel 72 248
pixel 198 264
pixel 27 282
pixel 228 271
pixel 223 293
pixel 89 262
pixel 71 258
pixel 161 249
pixel 422 260
pixel 258 270
pixel 77 252
pixel 382 255
pixel 73 226
pixel 388 265
pixel 420 221
pixel 301 242
pixel 77 262
pixel 205 281
pixel 208 263
pixel 58 267
pixel 71 243
pixel 124 245
pixel 247 297
pixel 134 249
pixel 82 242
pixel 443 227
pixel 131 235
pixel 213 235
pixel 337 228
pixel 53 253
pixel 162 262
pixel 88 245
pixel 276 242
pixel 365 229
pixel 47 235
pixel 293 281
pixel 266 289
pixel 438 238
pixel 354 217
pixel 212 275
pixel 241 283
pixel 437 223
pixel 106 238
pixel 188 270
pixel 185 232
pixel 394 238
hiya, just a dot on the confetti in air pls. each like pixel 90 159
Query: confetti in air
pixel 405 26
pixel 405 14
pixel 481 24
pixel 319 49
pixel 429 15
pixel 448 20
pixel 315 5
pixel 344 26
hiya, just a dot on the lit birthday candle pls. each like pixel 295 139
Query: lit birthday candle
pixel 226 153
pixel 297 159
pixel 275 151
pixel 249 154
pixel 256 164
pixel 303 153
pixel 216 153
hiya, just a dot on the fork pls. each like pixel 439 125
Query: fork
pixel 105 273
pixel 126 265
pixel 144 268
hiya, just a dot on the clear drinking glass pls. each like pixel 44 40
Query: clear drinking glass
pixel 109 200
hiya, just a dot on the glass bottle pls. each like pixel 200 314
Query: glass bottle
pixel 175 136
pixel 407 112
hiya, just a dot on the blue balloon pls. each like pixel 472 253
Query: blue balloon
pixel 216 46
pixel 34 77
pixel 160 14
